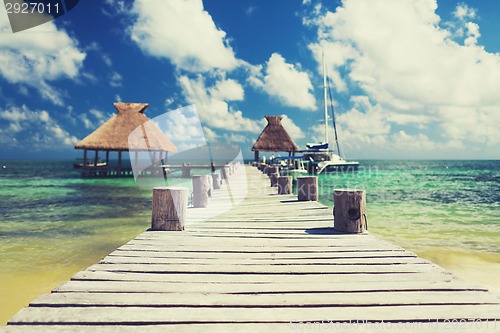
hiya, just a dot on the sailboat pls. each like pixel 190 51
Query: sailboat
pixel 319 157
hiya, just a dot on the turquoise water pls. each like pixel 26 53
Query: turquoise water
pixel 452 204
pixel 53 223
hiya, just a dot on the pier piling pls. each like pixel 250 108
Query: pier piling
pixel 349 211
pixel 169 208
pixel 307 188
pixel 285 184
pixel 201 191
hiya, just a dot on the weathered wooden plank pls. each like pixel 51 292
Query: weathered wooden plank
pixel 268 269
pixel 255 287
pixel 303 238
pixel 158 315
pixel 186 299
pixel 312 279
pixel 255 248
pixel 466 326
pixel 236 260
pixel 298 255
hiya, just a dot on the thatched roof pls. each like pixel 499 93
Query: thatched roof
pixel 274 137
pixel 114 134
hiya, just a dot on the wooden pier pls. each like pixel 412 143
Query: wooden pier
pixel 269 264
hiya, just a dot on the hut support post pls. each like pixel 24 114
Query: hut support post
pixel 96 157
pixel 85 158
pixel 119 162
pixel 256 156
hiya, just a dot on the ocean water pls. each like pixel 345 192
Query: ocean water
pixel 53 223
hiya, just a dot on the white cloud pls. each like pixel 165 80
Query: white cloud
pixel 464 12
pixel 115 80
pixel 183 32
pixel 86 121
pixel 292 129
pixel 34 129
pixel 228 90
pixel 233 137
pixel 114 7
pixel 37 56
pixel 478 125
pixel 93 118
pixel 107 60
pixel 214 111
pixel 210 135
pixel 398 55
pixel 287 83
pixel 472 34
pixel 90 77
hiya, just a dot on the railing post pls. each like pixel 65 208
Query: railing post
pixel 169 208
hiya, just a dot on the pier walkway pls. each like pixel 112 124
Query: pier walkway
pixel 269 264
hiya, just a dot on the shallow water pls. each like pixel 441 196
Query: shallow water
pixel 445 211
pixel 54 224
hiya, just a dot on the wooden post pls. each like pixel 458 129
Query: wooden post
pixel 169 208
pixel 186 170
pixel 224 172
pixel 119 163
pixel 349 211
pixel 96 157
pixel 285 185
pixel 274 177
pixel 307 188
pixel 210 185
pixel 216 180
pixel 256 156
pixel 271 170
pixel 200 191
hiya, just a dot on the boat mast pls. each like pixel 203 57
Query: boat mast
pixel 334 123
pixel 325 87
pixel 325 97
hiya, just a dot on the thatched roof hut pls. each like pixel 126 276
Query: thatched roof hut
pixel 274 138
pixel 114 134
pixel 128 129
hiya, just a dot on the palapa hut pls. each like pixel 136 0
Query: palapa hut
pixel 274 138
pixel 128 130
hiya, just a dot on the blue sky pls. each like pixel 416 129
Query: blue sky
pixel 411 78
